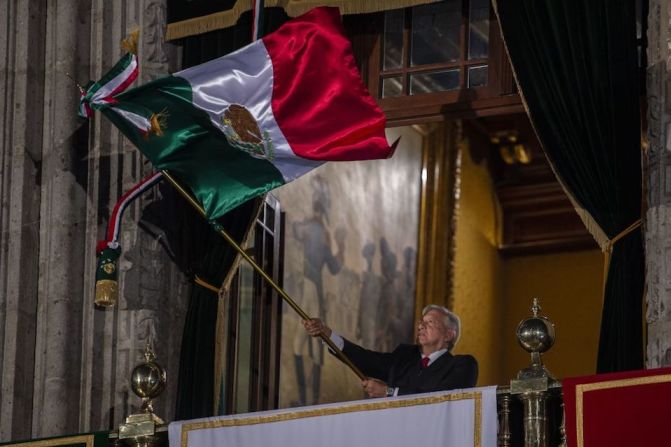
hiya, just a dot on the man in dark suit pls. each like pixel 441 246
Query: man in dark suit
pixel 421 368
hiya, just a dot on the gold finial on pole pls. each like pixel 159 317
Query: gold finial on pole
pixel 536 335
pixel 147 381
pixel 535 307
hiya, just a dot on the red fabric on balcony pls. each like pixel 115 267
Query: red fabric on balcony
pixel 619 409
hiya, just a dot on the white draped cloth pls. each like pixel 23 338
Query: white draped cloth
pixel 448 418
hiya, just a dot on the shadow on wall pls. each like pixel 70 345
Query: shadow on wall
pixel 350 256
pixel 377 309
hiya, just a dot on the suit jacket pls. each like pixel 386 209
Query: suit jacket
pixel 402 368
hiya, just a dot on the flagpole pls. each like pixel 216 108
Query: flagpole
pixel 265 276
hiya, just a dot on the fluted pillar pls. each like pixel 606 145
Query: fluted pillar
pixel 21 105
pixel 657 171
pixel 66 364
pixel 62 223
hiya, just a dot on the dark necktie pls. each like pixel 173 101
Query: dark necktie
pixel 425 362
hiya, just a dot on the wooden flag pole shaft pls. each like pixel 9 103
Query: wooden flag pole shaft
pixel 265 276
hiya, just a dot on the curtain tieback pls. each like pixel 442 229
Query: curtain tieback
pixel 608 249
pixel 206 285
pixel 620 235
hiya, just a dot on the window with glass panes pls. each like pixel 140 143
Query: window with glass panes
pixel 251 376
pixel 438 47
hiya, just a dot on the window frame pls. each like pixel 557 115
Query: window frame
pixel 499 96
pixel 266 321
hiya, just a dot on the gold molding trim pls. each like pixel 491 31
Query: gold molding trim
pixel 293 8
pixel 81 439
pixel 580 390
pixel 476 396
pixel 439 186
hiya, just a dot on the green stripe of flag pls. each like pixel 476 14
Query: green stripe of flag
pixel 193 149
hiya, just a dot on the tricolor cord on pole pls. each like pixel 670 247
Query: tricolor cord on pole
pixel 109 249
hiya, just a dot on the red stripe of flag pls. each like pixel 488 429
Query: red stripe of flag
pixel 319 100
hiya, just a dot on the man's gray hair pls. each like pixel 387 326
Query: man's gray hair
pixel 451 321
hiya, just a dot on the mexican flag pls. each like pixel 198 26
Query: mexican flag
pixel 240 125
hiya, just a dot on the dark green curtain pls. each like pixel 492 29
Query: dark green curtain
pixel 210 257
pixel 189 9
pixel 203 252
pixel 576 66
pixel 205 47
pixel 197 250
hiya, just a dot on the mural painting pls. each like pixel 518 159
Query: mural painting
pixel 350 257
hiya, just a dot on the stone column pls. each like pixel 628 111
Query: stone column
pixel 21 106
pixel 658 173
pixel 152 292
pixel 66 364
pixel 164 287
pixel 62 223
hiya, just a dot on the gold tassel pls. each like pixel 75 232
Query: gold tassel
pixel 107 291
pixel 129 44
pixel 159 121
pixel 107 287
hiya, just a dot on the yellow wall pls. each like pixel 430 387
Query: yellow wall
pixel 569 288
pixel 492 294
pixel 477 272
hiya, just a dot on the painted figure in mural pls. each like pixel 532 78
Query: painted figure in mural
pixel 387 301
pixel 388 313
pixel 427 366
pixel 406 293
pixel 315 237
pixel 369 298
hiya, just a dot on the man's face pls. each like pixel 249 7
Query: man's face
pixel 432 332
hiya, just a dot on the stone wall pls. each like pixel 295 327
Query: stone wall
pixel 658 216
pixel 658 175
pixel 66 364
